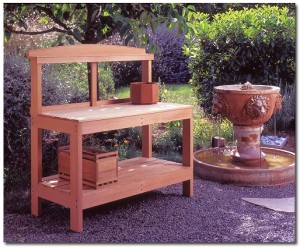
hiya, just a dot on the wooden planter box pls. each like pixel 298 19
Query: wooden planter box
pixel 144 93
pixel 98 167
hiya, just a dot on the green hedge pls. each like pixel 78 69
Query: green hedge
pixel 255 45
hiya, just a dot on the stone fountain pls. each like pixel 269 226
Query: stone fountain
pixel 248 107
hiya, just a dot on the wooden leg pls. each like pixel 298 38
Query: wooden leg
pixel 147 129
pixel 76 211
pixel 76 215
pixel 187 155
pixel 147 141
pixel 36 169
pixel 188 188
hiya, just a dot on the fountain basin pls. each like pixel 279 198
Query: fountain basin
pixel 216 164
pixel 248 107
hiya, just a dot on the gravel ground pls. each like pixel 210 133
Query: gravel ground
pixel 216 214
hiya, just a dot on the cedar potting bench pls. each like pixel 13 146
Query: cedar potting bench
pixel 135 176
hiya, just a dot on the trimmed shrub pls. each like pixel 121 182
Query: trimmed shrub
pixel 170 64
pixel 75 76
pixel 126 72
pixel 256 45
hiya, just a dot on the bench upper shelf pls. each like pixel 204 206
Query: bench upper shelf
pixel 115 111
pixel 88 53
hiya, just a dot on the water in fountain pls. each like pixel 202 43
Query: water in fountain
pixel 222 158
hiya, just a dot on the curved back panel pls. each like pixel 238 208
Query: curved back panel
pixel 88 53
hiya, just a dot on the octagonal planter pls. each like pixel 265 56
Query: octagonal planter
pixel 144 93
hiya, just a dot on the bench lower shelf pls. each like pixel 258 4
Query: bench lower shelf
pixel 136 176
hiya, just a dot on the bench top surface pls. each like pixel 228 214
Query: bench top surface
pixel 113 111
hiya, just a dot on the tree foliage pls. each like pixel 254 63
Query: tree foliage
pixel 90 23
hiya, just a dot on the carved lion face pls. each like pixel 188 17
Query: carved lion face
pixel 257 106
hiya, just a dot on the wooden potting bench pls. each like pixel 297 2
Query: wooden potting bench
pixel 135 175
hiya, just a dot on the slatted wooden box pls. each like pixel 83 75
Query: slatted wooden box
pixel 99 167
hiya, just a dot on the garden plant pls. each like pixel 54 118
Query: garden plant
pixel 197 47
pixel 255 45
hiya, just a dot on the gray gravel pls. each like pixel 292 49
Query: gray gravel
pixel 216 214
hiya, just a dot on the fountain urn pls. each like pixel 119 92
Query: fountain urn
pixel 248 107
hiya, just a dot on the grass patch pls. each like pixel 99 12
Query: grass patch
pixel 173 93
pixel 123 92
pixel 184 90
pixel 182 94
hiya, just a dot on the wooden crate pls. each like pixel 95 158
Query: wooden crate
pixel 99 167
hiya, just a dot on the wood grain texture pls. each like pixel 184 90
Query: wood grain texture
pixel 36 87
pixel 54 124
pixel 94 82
pixel 89 53
pixel 98 166
pixel 36 168
pixel 147 71
pixel 76 214
pixel 147 141
pixel 137 175
pixel 86 114
pixel 83 104
pixel 84 50
pixel 134 176
pixel 187 154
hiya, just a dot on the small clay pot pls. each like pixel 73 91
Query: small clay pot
pixel 217 141
pixel 144 93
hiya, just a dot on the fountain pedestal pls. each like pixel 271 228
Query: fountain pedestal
pixel 248 150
